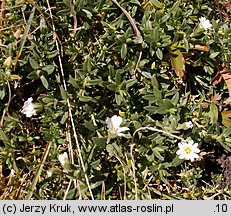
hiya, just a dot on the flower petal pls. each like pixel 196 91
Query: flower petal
pixel 63 158
pixel 190 142
pixel 181 157
pixel 189 124
pixel 179 152
pixel 121 129
pixel 28 108
pixel 182 144
pixel 205 23
pixel 116 121
pixel 120 134
pixel 196 150
pixel 109 123
pixel 195 145
pixel 193 156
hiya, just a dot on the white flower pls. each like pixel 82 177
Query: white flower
pixel 12 172
pixel 28 108
pixel 189 124
pixel 114 129
pixel 205 23
pixel 49 173
pixel 63 158
pixel 188 150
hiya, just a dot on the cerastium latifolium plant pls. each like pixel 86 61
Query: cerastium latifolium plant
pixel 110 99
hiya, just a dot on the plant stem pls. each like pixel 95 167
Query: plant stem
pixel 156 130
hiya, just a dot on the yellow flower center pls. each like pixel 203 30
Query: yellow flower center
pixel 188 150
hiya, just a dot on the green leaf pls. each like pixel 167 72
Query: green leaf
pixel 85 98
pixel 64 118
pixel 89 125
pixel 32 75
pixel 129 83
pixel 214 55
pixel 22 138
pixel 164 106
pixel 44 82
pixel 165 18
pixel 96 164
pixel 52 54
pixel 25 34
pixel 112 87
pixel 175 6
pixel 213 113
pixel 154 82
pixel 101 113
pixel 176 162
pixel 88 13
pixel 87 64
pixel 146 74
pixel 48 100
pixel 157 93
pixel 111 70
pixel 151 108
pixel 157 4
pixel 135 2
pixel 226 132
pixel 96 184
pixel 186 44
pixel 157 154
pixel 167 104
pixel 178 63
pixel 155 35
pixel 118 149
pixel 118 78
pixel 220 140
pixel 159 54
pixel 73 82
pixel 123 51
pixel 78 4
pixel 49 69
pixel 93 82
pixel 162 174
pixel 3 136
pixel 100 142
pixel 118 98
pixel 2 93
pixel 34 64
pixel 111 150
pixel 175 99
pixel 63 93
pixel 149 97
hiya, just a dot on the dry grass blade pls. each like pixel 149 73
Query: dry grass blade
pixel 39 170
pixel 26 32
